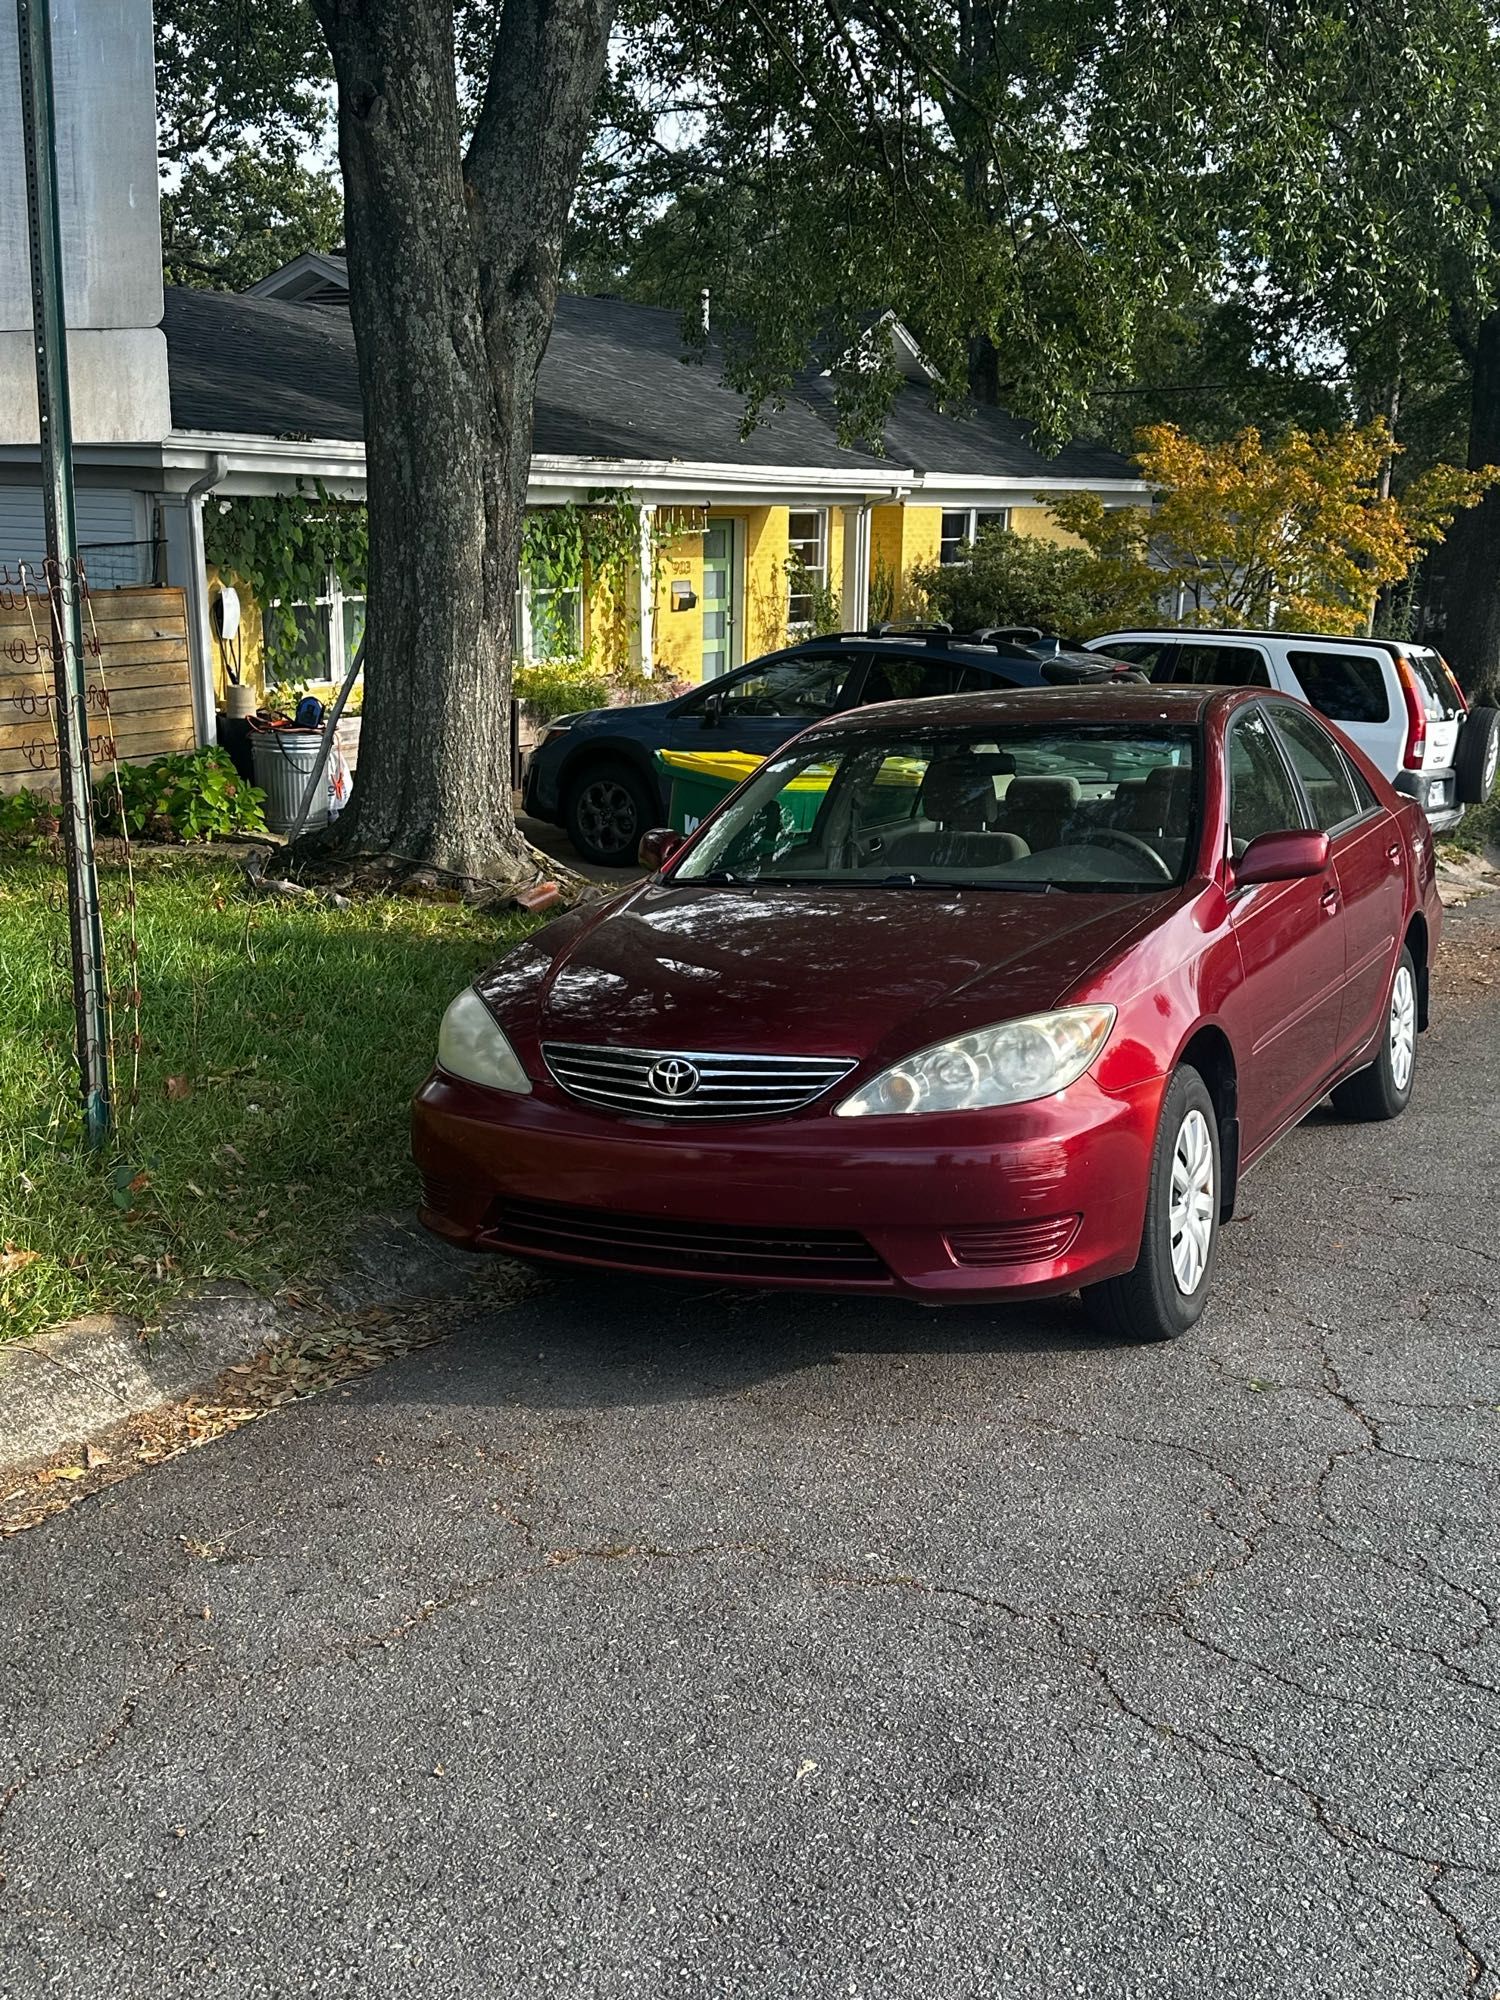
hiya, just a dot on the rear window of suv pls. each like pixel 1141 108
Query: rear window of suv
pixel 1346 687
pixel 1203 665
pixel 1440 695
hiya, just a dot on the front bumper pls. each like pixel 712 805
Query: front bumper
pixel 1436 792
pixel 1037 1198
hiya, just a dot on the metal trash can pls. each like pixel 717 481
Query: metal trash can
pixel 285 760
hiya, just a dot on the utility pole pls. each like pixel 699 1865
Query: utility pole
pixel 65 582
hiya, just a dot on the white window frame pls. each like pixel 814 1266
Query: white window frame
pixel 992 517
pixel 819 569
pixel 527 594
pixel 330 599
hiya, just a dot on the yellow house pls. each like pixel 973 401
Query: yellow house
pixel 744 541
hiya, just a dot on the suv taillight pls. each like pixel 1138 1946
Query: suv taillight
pixel 1416 716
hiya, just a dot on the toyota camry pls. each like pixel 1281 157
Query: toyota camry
pixel 966 999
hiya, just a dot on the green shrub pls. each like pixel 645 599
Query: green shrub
pixel 1019 580
pixel 195 795
pixel 26 816
pixel 559 687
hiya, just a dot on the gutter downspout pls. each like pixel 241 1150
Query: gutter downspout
pixel 195 583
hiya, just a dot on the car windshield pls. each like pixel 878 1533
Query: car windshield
pixel 1057 806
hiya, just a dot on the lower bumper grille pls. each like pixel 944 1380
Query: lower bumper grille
pixel 702 1249
pixel 1014 1242
pixel 444 1195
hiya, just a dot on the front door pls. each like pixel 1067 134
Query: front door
pixel 1284 1020
pixel 718 599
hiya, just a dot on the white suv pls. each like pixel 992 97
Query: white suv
pixel 1398 702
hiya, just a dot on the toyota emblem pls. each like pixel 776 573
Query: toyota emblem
pixel 672 1077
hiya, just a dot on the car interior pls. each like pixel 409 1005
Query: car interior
pixel 1108 813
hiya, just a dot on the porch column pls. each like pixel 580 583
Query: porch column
pixel 182 531
pixel 856 580
pixel 643 626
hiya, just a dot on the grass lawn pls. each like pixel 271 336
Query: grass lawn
pixel 281 1042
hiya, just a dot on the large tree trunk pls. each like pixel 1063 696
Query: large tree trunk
pixel 453 271
pixel 1472 554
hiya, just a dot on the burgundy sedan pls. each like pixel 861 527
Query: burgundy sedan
pixel 961 999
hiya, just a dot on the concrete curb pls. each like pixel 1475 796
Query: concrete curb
pixel 69 1385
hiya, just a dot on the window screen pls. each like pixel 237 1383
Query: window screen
pixel 1346 687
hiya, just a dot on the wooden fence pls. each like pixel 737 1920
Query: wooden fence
pixel 140 698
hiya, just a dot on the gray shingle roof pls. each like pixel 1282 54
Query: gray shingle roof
pixel 614 384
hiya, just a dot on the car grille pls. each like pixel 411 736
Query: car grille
pixel 1014 1242
pixel 639 1083
pixel 705 1249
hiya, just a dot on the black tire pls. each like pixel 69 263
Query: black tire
pixel 1383 1091
pixel 606 809
pixel 1149 1302
pixel 1478 757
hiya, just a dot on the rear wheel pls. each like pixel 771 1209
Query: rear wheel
pixel 606 811
pixel 1384 1089
pixel 1166 1291
pixel 1478 757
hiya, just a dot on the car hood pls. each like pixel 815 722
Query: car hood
pixel 806 970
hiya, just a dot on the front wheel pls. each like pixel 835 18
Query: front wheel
pixel 1384 1089
pixel 606 811
pixel 1167 1290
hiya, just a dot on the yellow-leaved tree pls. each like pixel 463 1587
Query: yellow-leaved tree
pixel 1300 533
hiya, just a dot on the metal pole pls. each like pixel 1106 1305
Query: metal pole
pixel 90 999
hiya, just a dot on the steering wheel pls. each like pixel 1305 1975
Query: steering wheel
pixel 1116 836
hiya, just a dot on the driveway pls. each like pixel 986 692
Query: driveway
pixel 642 1644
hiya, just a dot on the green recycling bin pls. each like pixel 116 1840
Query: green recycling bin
pixel 701 779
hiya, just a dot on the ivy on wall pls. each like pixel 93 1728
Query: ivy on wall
pixel 283 547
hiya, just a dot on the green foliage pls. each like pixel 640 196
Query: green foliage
pixel 1020 580
pixel 559 687
pixel 594 545
pixel 281 1045
pixel 824 605
pixel 26 816
pixel 194 795
pixel 885 591
pixel 252 214
pixel 284 546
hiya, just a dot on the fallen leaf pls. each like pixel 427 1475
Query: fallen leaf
pixel 12 1259
pixel 193 1188
pixel 804 1770
pixel 93 1457
pixel 178 1088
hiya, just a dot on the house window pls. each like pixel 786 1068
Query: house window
pixel 549 616
pixel 329 629
pixel 807 563
pixel 961 527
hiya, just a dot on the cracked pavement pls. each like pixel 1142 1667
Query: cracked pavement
pixel 646 1642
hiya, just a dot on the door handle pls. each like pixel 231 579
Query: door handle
pixel 1330 900
pixel 1393 854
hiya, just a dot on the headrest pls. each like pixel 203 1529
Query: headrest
pixel 958 787
pixel 1043 794
pixel 1168 789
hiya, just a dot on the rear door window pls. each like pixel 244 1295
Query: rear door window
pixel 1203 665
pixel 1346 687
pixel 1139 652
pixel 1319 763
pixel 894 678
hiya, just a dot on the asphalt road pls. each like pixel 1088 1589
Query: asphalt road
pixel 664 1645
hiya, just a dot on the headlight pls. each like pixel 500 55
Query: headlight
pixel 471 1045
pixel 1011 1063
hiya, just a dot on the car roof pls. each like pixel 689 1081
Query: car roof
pixel 920 645
pixel 1134 702
pixel 1191 632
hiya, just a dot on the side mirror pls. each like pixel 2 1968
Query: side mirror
pixel 1281 857
pixel 658 846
